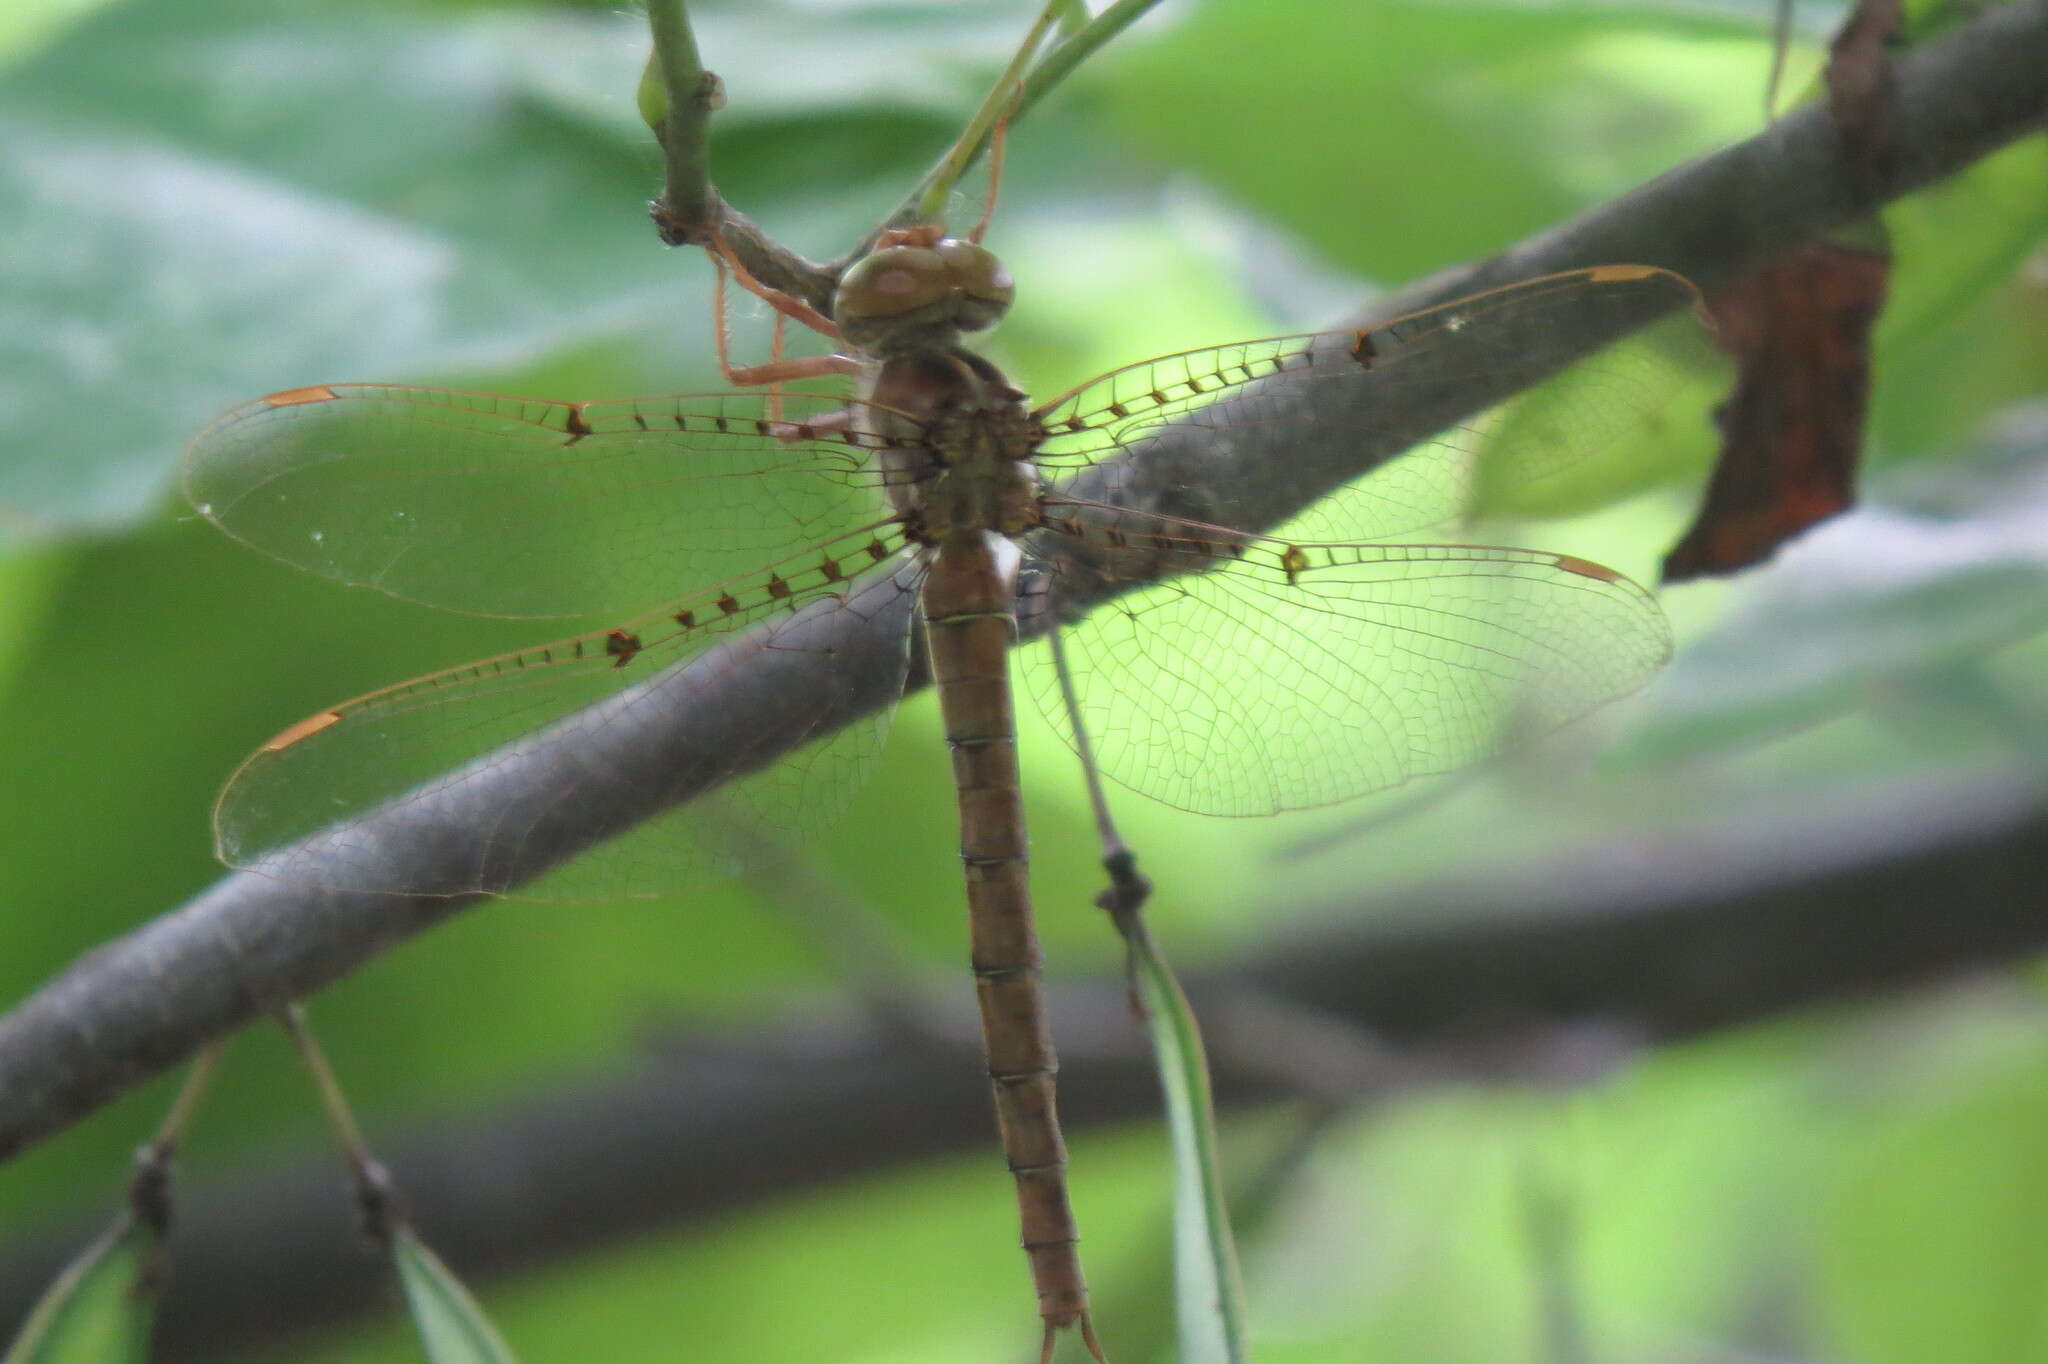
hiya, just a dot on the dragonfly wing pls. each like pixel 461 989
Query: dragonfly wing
pixel 1290 676
pixel 521 507
pixel 481 777
pixel 1339 403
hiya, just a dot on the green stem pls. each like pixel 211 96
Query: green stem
pixel 1078 48
pixel 1014 92
pixel 686 122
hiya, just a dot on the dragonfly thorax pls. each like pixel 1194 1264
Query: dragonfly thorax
pixel 919 290
pixel 962 460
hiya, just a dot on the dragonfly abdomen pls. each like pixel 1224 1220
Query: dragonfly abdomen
pixel 968 622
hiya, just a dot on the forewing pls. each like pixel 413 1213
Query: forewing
pixel 1271 676
pixel 477 778
pixel 1398 387
pixel 522 507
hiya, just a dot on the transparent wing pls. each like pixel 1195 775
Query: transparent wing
pixel 491 771
pixel 1276 676
pixel 522 507
pixel 1381 386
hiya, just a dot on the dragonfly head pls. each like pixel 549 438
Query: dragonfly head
pixel 909 294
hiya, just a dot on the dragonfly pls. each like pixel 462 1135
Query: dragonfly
pixel 915 530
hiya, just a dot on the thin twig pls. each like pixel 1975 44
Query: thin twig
pixel 332 1101
pixel 139 1005
pixel 1013 94
pixel 1673 947
pixel 687 204
pixel 204 1066
pixel 690 210
pixel 996 107
pixel 1209 1286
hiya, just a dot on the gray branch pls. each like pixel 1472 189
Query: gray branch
pixel 1550 974
pixel 140 1004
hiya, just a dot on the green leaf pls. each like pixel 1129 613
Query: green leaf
pixel 101 1308
pixel 1208 1291
pixel 1942 582
pixel 1409 136
pixel 1961 333
pixel 217 201
pixel 451 1325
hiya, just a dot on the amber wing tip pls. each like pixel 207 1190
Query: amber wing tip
pixel 311 725
pixel 1586 568
pixel 293 397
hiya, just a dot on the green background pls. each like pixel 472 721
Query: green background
pixel 203 203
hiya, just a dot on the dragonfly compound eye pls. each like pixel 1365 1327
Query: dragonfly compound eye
pixel 983 282
pixel 955 283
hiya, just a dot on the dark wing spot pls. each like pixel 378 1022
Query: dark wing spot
pixel 622 646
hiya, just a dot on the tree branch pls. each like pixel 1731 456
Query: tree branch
pixel 1494 979
pixel 138 1005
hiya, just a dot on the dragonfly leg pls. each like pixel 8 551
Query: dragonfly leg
pixel 783 371
pixel 788 304
pixel 777 369
pixel 995 163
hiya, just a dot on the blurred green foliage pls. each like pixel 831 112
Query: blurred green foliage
pixel 203 203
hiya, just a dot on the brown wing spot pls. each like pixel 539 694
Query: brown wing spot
pixel 1294 563
pixel 312 724
pixel 877 550
pixel 1158 398
pixel 621 645
pixel 830 568
pixel 1075 424
pixel 717 423
pixel 292 397
pixel 639 421
pixel 687 619
pixel 577 648
pixel 1164 542
pixel 1586 568
pixel 1117 410
pixel 729 604
pixel 1621 274
pixel 778 588
pixel 1363 350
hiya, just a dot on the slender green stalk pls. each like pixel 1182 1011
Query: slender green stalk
pixel 930 195
pixel 1077 48
pixel 196 1080
pixel 1021 85
pixel 685 124
pixel 1072 16
pixel 332 1101
pixel 1208 1289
